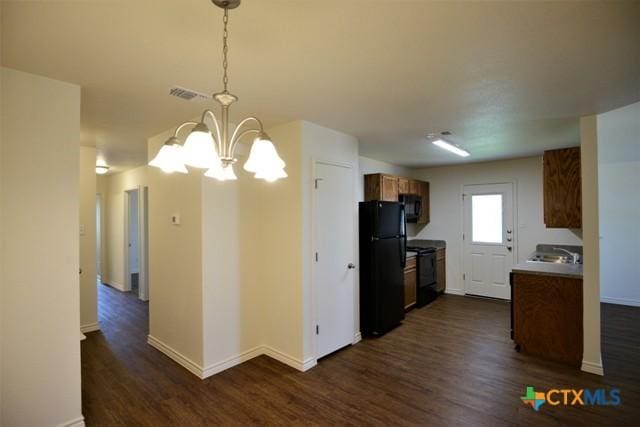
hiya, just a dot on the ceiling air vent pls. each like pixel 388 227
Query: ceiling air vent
pixel 187 94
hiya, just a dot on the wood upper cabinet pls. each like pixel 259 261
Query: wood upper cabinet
pixel 379 186
pixel 441 269
pixel 547 316
pixel 425 214
pixel 562 188
pixel 388 188
pixel 403 185
pixel 414 187
pixel 410 283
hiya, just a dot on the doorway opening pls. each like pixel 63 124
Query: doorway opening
pixel 489 239
pixel 136 242
pixel 99 216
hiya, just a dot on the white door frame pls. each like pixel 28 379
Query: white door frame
pixel 143 243
pixel 314 289
pixel 516 228
pixel 99 235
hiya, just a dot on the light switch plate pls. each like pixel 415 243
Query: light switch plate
pixel 175 219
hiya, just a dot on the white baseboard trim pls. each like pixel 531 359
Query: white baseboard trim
pixel 621 301
pixel 454 291
pixel 357 338
pixel 116 285
pixel 231 362
pixel 176 356
pixel 76 422
pixel 205 372
pixel 592 368
pixel 300 365
pixel 91 327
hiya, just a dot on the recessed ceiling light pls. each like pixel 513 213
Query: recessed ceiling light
pixel 452 148
pixel 102 169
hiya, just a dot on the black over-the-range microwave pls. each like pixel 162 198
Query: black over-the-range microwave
pixel 412 206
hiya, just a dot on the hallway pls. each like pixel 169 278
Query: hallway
pixel 413 375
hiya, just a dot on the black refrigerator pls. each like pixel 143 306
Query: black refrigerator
pixel 383 241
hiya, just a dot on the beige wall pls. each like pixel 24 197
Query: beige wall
pixel 88 296
pixel 445 185
pixel 114 233
pixel 619 205
pixel 175 260
pixel 40 285
pixel 230 282
pixel 591 359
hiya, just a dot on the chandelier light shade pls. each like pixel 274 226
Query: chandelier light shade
pixel 210 143
pixel 199 149
pixel 222 173
pixel 170 157
pixel 263 156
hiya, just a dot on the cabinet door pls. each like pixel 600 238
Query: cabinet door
pixel 410 286
pixel 549 327
pixel 424 194
pixel 441 270
pixel 414 187
pixel 389 188
pixel 562 188
pixel 403 185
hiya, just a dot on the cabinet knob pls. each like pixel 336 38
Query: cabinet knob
pixel 351 266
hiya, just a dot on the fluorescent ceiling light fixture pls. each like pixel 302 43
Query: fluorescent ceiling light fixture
pixel 452 148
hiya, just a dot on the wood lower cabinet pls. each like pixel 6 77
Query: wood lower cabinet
pixel 547 316
pixel 562 188
pixel 410 283
pixel 441 270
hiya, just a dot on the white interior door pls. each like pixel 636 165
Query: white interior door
pixel 489 239
pixel 335 274
pixel 133 233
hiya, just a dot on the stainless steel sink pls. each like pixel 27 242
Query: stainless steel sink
pixel 551 258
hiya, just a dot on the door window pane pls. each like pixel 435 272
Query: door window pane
pixel 486 214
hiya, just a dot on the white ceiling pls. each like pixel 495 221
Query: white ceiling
pixel 508 79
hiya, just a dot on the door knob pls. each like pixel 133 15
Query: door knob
pixel 351 266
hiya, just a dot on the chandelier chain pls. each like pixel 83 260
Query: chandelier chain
pixel 225 49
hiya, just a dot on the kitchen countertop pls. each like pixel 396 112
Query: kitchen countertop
pixel 572 271
pixel 438 244
pixel 411 254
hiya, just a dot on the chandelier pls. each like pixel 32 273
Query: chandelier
pixel 215 151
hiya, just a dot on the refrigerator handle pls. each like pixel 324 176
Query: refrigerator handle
pixel 403 228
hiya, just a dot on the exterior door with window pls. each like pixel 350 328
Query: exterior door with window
pixel 489 239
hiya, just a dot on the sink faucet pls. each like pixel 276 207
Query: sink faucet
pixel 575 257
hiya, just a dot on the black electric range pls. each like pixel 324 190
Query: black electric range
pixel 426 263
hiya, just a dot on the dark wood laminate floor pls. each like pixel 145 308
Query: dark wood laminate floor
pixel 451 363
